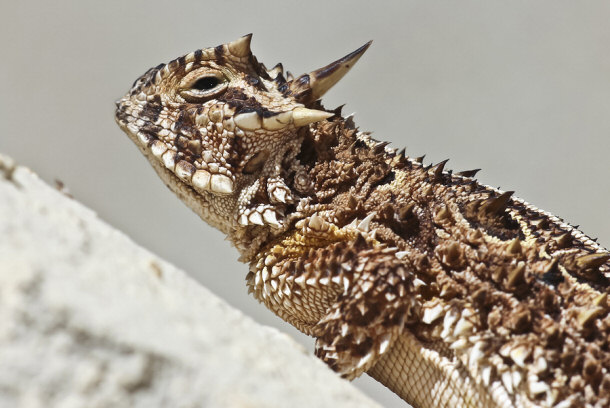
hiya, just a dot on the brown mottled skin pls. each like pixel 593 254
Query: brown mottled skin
pixel 449 292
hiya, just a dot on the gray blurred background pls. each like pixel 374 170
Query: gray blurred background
pixel 520 89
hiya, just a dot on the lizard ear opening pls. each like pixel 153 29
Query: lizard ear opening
pixel 256 163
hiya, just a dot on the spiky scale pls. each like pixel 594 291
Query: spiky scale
pixel 406 211
pixel 592 260
pixel 468 173
pixel 564 240
pixel 380 147
pixel 514 247
pixel 442 214
pixel 495 205
pixel 438 169
pixel 588 315
pixel 516 275
pixel 601 300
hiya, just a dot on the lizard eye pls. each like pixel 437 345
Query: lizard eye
pixel 206 83
pixel 201 88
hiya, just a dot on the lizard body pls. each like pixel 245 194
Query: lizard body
pixel 449 292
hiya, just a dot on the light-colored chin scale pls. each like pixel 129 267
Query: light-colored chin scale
pixel 216 183
pixel 201 180
pixel 297 117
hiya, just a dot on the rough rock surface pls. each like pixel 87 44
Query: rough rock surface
pixel 88 318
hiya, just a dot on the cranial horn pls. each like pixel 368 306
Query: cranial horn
pixel 241 46
pixel 304 116
pixel 298 117
pixel 321 80
pixel 276 70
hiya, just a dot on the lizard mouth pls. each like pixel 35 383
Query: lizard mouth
pixel 123 113
pixel 201 173
pixel 123 117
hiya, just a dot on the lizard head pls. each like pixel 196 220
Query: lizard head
pixel 215 120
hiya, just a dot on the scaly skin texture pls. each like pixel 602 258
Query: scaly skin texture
pixel 449 292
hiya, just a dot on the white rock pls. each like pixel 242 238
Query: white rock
pixel 89 319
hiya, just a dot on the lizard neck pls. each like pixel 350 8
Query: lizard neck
pixel 300 181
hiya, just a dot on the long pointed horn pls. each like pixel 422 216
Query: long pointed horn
pixel 309 87
pixel 321 80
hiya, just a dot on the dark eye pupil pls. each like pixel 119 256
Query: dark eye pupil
pixel 206 83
